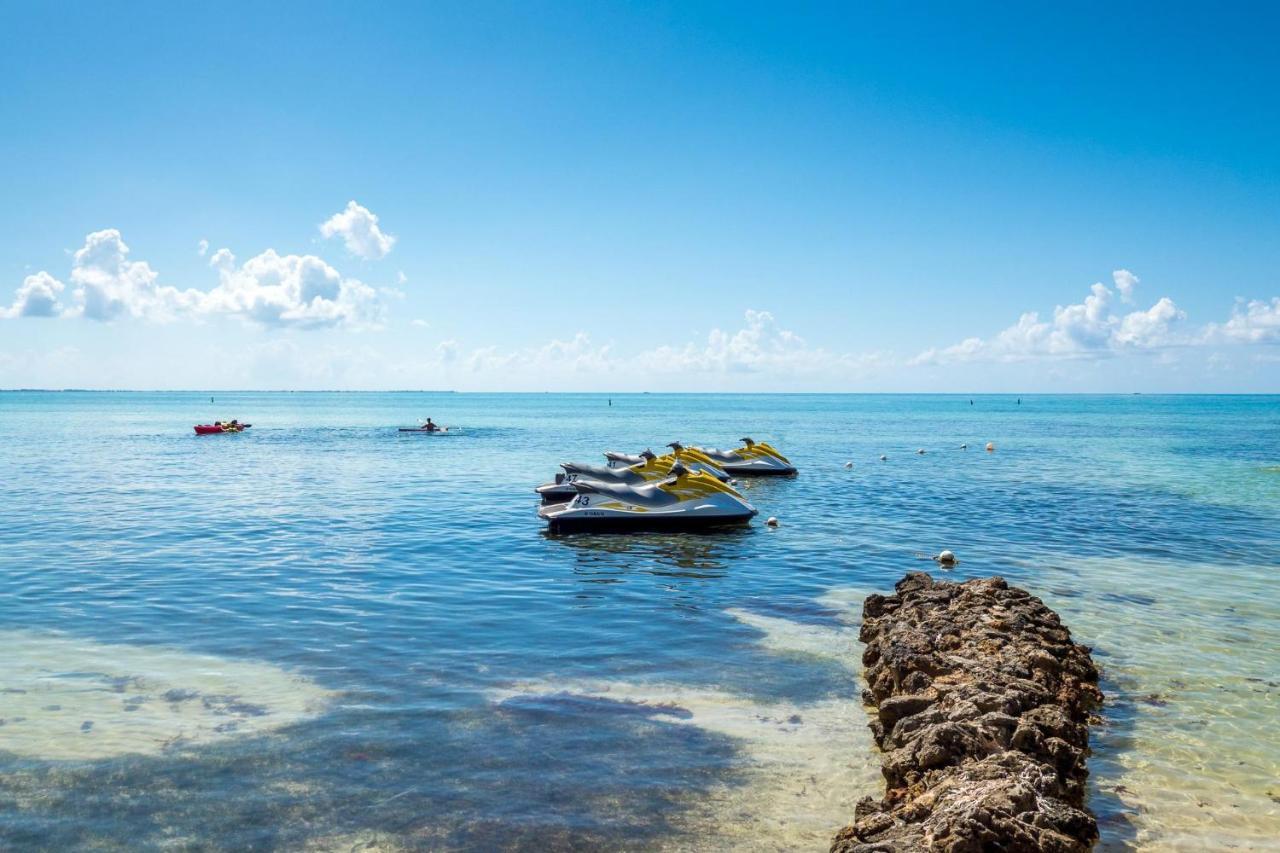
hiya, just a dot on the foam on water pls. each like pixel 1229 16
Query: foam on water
pixel 65 698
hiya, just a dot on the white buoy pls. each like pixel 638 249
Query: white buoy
pixel 772 522
pixel 946 558
pixel 991 447
pixel 848 464
pixel 964 447
pixel 883 457
pixel 920 451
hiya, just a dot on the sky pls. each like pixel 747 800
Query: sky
pixel 640 196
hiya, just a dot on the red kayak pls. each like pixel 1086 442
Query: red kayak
pixel 214 429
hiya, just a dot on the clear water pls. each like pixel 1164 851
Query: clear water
pixel 325 634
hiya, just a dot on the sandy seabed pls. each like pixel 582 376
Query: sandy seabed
pixel 66 698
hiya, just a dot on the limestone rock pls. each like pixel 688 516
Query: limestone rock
pixel 982 707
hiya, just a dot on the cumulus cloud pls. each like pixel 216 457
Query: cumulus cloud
pixel 37 296
pixel 358 228
pixel 291 290
pixel 202 248
pixel 270 289
pixel 1088 329
pixel 576 355
pixel 1125 282
pixel 109 285
pixel 760 346
pixel 1253 322
pixel 223 259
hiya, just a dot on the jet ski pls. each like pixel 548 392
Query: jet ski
pixel 694 460
pixel 752 459
pixel 685 500
pixel 647 469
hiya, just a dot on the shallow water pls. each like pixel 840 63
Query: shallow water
pixel 372 642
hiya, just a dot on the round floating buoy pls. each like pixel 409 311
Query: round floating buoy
pixel 883 457
pixel 848 464
pixel 772 522
pixel 991 447
pixel 946 558
pixel 920 451
pixel 964 447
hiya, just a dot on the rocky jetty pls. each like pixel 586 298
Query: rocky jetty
pixel 982 704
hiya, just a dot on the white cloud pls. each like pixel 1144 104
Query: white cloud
pixel 291 290
pixel 1254 322
pixel 358 228
pixel 223 259
pixel 420 323
pixel 760 346
pixel 401 278
pixel 37 296
pixel 576 355
pixel 1125 283
pixel 1089 329
pixel 271 289
pixel 109 285
pixel 1152 328
pixel 202 248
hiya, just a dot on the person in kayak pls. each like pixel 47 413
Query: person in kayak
pixel 430 427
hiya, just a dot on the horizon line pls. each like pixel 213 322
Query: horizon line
pixel 1019 394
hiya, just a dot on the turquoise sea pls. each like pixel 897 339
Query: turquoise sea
pixel 324 634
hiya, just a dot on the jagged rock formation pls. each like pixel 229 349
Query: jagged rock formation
pixel 982 708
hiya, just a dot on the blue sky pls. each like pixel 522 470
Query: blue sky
pixel 640 196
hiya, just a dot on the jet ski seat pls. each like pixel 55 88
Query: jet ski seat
pixel 599 472
pixel 648 495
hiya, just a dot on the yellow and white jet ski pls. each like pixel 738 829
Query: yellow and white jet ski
pixel 694 460
pixel 685 500
pixel 647 469
pixel 752 459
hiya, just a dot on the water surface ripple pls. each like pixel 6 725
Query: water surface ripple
pixel 324 633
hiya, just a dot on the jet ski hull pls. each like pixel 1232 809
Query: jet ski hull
pixel 754 460
pixel 750 469
pixel 603 521
pixel 643 525
pixel 614 513
pixel 557 493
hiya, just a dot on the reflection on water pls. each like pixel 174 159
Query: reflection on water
pixel 691 555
